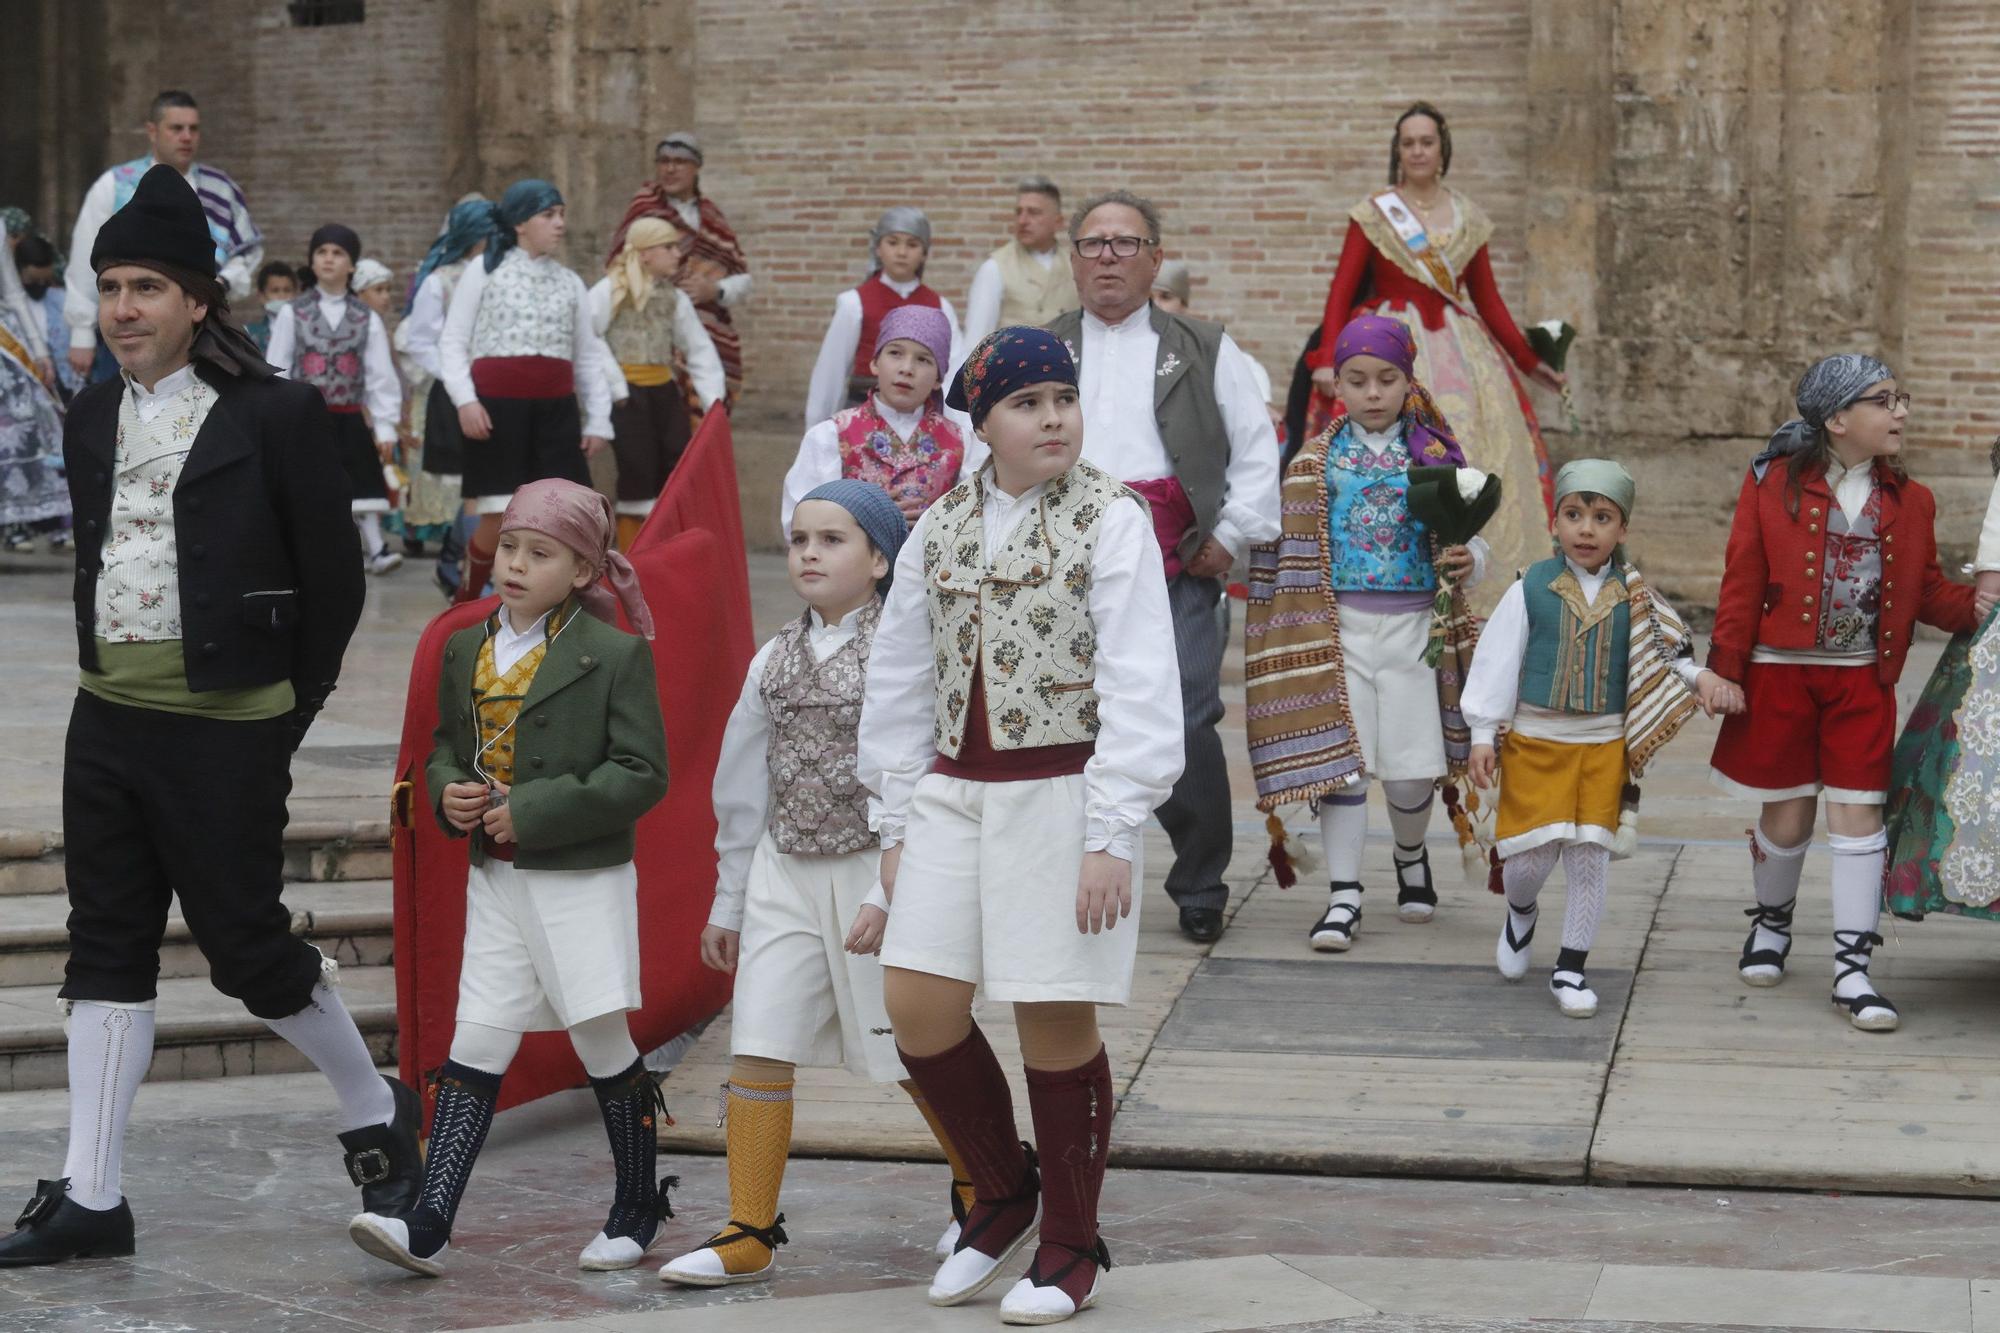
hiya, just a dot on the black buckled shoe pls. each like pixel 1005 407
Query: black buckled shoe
pixel 384 1160
pixel 1203 925
pixel 53 1230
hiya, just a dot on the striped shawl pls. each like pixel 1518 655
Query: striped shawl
pixel 1302 741
pixel 1657 704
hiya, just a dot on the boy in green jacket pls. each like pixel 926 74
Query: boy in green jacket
pixel 549 749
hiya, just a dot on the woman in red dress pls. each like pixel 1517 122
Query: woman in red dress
pixel 1416 252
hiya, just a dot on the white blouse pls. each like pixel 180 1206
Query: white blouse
pixel 826 392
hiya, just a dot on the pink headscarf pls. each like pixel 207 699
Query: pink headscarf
pixel 580 519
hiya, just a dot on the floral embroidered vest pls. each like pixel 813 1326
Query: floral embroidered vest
pixel 1578 655
pixel 1850 600
pixel 645 337
pixel 526 308
pixel 329 356
pixel 1020 617
pixel 921 468
pixel 139 588
pixel 1376 545
pixel 818 805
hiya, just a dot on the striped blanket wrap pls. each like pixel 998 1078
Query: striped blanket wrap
pixel 1657 703
pixel 1302 741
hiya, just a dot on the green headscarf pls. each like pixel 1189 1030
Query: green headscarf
pixel 1599 476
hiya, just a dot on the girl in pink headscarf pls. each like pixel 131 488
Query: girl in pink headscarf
pixel 550 747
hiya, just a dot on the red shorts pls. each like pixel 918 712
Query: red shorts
pixel 1808 729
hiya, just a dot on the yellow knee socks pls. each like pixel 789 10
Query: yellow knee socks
pixel 961 1184
pixel 759 1138
pixel 628 528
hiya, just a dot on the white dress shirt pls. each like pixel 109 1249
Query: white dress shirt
pixel 818 460
pixel 1988 556
pixel 80 283
pixel 1140 751
pixel 742 788
pixel 1117 367
pixel 704 365
pixel 149 403
pixel 511 645
pixel 1493 690
pixel 418 336
pixel 382 390
pixel 588 354
pixel 1851 489
pixel 826 392
pixel 989 289
pixel 733 290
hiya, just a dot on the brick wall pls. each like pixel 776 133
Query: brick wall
pixel 1254 125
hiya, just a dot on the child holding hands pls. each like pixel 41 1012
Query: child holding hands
pixel 797 866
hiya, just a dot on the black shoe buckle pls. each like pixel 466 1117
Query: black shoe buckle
pixel 368 1167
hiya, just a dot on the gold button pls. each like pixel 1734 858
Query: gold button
pixel 1888 537
pixel 1807 599
pixel 1890 558
pixel 1815 511
pixel 1812 527
pixel 1887 605
pixel 1035 572
pixel 1805 616
pixel 1888 652
pixel 1888 634
pixel 944 576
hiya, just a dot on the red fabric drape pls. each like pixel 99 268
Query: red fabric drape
pixel 689 557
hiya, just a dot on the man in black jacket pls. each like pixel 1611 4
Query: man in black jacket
pixel 218 579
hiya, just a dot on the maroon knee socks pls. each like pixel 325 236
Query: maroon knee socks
pixel 1072 1111
pixel 967 1090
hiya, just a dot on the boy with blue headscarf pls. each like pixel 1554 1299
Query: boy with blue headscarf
pixel 516 356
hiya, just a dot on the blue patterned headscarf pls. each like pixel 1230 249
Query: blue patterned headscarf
pixel 1832 384
pixel 874 513
pixel 522 201
pixel 1006 360
pixel 469 223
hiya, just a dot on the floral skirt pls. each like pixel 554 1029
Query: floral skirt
pixel 1944 788
pixel 32 487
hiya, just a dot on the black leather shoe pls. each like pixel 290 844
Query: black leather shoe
pixel 1203 925
pixel 383 1159
pixel 53 1230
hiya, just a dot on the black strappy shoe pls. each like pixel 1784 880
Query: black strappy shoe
pixel 1415 903
pixel 969 1270
pixel 1777 920
pixel 1334 931
pixel 703 1266
pixel 1038 1298
pixel 1854 954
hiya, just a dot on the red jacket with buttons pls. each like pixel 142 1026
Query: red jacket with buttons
pixel 1771 575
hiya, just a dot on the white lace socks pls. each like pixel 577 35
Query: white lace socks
pixel 325 1034
pixel 1343 827
pixel 110 1047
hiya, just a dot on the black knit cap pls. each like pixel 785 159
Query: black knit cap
pixel 163 221
pixel 335 234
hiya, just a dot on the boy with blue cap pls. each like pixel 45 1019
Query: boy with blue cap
pixel 799 911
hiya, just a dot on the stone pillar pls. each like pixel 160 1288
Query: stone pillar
pixel 1717 196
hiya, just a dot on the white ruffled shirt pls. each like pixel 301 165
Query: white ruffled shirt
pixel 1140 751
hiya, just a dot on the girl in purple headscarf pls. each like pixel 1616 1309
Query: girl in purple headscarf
pixel 1339 620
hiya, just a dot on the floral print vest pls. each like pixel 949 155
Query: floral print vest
pixel 921 468
pixel 139 590
pixel 1850 598
pixel 329 356
pixel 818 805
pixel 1375 545
pixel 527 308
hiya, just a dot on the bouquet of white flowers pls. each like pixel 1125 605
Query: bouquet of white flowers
pixel 1551 339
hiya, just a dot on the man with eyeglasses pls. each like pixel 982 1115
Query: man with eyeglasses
pixel 1171 408
pixel 713 271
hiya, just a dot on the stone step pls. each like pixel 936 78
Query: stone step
pixel 316 850
pixel 200 1033
pixel 352 922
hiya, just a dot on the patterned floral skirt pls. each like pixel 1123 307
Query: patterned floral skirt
pixel 1944 788
pixel 31 471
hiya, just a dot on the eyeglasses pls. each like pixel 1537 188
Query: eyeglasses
pixel 1123 247
pixel 1887 401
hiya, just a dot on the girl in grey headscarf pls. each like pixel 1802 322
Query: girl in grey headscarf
pixel 900 245
pixel 1829 567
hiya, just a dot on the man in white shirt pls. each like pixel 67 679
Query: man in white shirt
pixel 1171 408
pixel 1024 282
pixel 173 137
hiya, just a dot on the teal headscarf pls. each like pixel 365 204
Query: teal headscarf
pixel 523 200
pixel 469 223
pixel 1598 476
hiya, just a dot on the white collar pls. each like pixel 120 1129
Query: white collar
pixel 535 631
pixel 1132 323
pixel 899 288
pixel 820 624
pixel 1004 501
pixel 899 421
pixel 1378 441
pixel 178 382
pixel 1589 582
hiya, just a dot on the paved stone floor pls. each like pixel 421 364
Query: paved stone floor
pixel 1415 1131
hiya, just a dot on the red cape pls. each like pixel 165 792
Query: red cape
pixel 690 561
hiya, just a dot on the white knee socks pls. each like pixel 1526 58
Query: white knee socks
pixel 1857 897
pixel 604 1044
pixel 1586 872
pixel 489 1050
pixel 1343 827
pixel 1523 875
pixel 1774 874
pixel 1409 802
pixel 325 1034
pixel 372 544
pixel 110 1047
